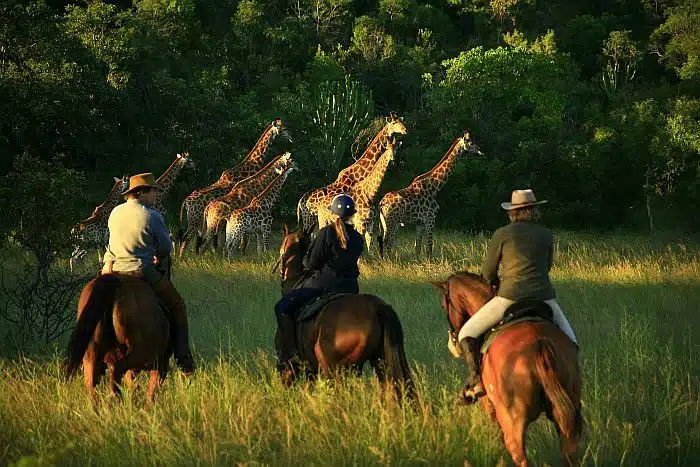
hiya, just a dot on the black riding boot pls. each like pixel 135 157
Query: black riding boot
pixel 474 389
pixel 287 343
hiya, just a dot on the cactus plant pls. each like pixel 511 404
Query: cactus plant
pixel 340 110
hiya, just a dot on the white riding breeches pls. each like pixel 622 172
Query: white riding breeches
pixel 492 313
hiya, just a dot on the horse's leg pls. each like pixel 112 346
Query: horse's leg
pixel 129 379
pixel 488 408
pixel 93 368
pixel 154 382
pixel 513 427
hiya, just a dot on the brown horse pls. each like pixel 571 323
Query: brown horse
pixel 121 326
pixel 348 331
pixel 531 367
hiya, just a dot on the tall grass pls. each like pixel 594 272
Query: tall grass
pixel 632 301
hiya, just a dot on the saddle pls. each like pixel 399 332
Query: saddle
pixel 311 309
pixel 518 312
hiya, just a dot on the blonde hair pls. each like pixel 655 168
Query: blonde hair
pixel 340 231
pixel 530 213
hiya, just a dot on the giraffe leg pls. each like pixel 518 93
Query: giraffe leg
pixel 259 242
pixel 266 237
pixel 429 240
pixel 419 239
pixel 185 242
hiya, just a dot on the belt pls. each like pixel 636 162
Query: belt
pixel 129 273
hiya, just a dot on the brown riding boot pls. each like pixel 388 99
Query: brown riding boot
pixel 287 350
pixel 178 324
pixel 474 389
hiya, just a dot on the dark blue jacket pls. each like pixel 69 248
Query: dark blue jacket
pixel 334 269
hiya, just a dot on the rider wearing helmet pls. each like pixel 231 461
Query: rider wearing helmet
pixel 139 245
pixel 331 267
pixel 525 250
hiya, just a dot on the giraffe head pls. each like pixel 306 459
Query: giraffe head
pixel 286 162
pixel 467 146
pixel 186 160
pixel 279 131
pixel 394 125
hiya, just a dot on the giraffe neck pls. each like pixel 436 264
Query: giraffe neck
pixel 260 179
pixel 257 154
pixel 369 187
pixel 268 198
pixel 363 166
pixel 166 181
pixel 113 199
pixel 438 175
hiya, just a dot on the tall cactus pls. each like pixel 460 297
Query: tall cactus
pixel 341 109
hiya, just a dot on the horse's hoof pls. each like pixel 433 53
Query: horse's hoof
pixel 287 377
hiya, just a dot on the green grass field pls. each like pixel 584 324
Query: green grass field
pixel 633 302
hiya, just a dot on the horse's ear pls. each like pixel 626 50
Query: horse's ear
pixel 440 285
pixel 285 230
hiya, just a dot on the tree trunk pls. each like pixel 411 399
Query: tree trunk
pixel 648 203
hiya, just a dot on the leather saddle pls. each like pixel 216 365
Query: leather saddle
pixel 315 305
pixel 518 312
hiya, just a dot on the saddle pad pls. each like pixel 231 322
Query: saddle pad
pixel 499 328
pixel 309 310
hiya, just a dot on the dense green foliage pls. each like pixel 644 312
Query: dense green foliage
pixel 595 105
pixel 632 302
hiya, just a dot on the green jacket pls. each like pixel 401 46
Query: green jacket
pixel 525 250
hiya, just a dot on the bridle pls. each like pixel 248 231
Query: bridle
pixel 282 264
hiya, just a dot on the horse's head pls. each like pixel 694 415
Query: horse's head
pixel 462 294
pixel 294 247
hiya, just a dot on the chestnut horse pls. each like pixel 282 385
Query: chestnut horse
pixel 348 331
pixel 121 326
pixel 531 367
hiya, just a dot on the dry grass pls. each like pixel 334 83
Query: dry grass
pixel 632 301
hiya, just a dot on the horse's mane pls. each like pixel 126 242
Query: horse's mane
pixel 472 281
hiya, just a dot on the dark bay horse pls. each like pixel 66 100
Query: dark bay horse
pixel 120 326
pixel 348 331
pixel 530 368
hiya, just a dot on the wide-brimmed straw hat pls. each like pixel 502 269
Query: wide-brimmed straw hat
pixel 521 199
pixel 140 182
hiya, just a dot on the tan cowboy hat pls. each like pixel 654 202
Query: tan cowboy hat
pixel 141 181
pixel 521 199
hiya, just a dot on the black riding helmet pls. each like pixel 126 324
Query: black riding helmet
pixel 343 205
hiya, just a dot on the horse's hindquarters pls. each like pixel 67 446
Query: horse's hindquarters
pixel 531 368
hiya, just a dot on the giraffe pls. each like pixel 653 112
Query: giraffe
pixel 308 205
pixel 166 181
pixel 363 193
pixel 417 204
pixel 93 230
pixel 197 201
pixel 255 159
pixel 256 218
pixel 240 195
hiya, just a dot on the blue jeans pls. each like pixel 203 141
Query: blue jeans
pixel 290 303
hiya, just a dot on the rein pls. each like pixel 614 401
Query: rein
pixel 454 333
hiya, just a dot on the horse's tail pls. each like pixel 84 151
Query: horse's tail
pixel 98 308
pixel 395 366
pixel 382 232
pixel 565 413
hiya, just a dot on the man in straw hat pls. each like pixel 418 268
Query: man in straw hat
pixel 139 245
pixel 525 250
